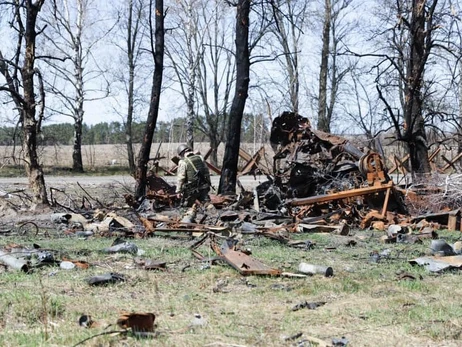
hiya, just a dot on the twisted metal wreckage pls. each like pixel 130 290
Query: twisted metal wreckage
pixel 318 182
pixel 315 176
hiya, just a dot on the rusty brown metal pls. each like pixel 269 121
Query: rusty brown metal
pixel 239 260
pixel 372 166
pixel 340 195
pixel 450 162
pixel 246 265
pixel 451 219
pixel 253 162
pixel 138 322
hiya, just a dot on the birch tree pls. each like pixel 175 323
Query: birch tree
pixel 184 50
pixel 75 37
pixel 199 51
pixel 290 19
pixel 216 76
pixel 130 38
pixel 22 80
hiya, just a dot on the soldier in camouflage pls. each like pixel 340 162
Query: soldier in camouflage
pixel 193 177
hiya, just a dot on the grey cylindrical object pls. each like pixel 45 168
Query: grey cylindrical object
pixel 311 269
pixel 13 262
pixel 349 148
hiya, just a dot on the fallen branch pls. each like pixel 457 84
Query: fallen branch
pixel 92 198
pixel 120 332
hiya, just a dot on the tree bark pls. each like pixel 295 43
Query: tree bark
pixel 30 124
pixel 190 105
pixel 158 53
pixel 229 168
pixel 323 121
pixel 77 162
pixel 131 42
pixel 415 136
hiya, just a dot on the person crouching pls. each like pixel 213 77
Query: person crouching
pixel 193 177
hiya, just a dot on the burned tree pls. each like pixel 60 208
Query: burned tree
pixel 420 27
pixel 323 121
pixel 230 160
pixel 157 51
pixel 185 52
pixel 25 86
pixel 402 71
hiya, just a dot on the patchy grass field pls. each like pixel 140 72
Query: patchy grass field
pixel 365 302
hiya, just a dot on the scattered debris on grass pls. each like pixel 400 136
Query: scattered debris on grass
pixel 308 305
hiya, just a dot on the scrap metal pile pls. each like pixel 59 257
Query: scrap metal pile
pixel 317 179
pixel 319 183
pixel 316 173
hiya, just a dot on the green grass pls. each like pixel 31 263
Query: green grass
pixel 364 301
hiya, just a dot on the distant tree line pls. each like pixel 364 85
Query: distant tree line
pixel 254 129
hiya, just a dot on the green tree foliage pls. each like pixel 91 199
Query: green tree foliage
pixel 57 134
pixel 254 129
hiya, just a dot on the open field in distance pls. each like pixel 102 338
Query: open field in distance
pixel 98 156
pixel 116 155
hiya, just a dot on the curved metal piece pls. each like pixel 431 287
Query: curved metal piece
pixel 371 165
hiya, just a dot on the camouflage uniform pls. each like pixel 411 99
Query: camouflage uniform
pixel 193 179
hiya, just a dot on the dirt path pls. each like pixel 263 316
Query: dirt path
pixel 7 184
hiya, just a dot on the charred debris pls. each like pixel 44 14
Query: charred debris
pixel 315 178
pixel 315 182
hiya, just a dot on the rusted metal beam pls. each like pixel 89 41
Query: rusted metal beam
pixel 242 262
pixel 341 195
pixel 450 163
pixel 213 168
pixel 247 265
pixel 244 155
pixel 207 155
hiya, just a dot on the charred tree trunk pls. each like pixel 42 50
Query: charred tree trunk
pixel 323 121
pixel 158 52
pixel 420 45
pixel 30 124
pixel 214 143
pixel 229 168
pixel 459 127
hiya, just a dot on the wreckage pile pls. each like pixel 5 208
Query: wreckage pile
pixel 319 182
